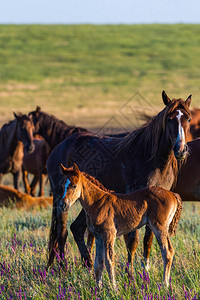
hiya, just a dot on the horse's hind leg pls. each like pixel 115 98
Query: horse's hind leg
pixel 41 191
pixel 166 250
pixel 147 242
pixel 34 185
pixel 25 181
pixel 78 228
pixel 16 180
pixel 99 258
pixel 131 240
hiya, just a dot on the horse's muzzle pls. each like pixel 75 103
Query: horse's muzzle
pixel 180 154
pixel 30 149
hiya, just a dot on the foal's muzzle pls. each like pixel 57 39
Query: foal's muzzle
pixel 180 154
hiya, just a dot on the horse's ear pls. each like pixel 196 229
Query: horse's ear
pixel 38 109
pixel 17 116
pixel 63 170
pixel 188 100
pixel 165 98
pixel 75 168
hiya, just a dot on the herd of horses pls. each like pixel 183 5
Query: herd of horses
pixel 123 182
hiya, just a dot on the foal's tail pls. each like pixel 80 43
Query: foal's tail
pixel 174 223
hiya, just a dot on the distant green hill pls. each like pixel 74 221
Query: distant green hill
pixel 87 66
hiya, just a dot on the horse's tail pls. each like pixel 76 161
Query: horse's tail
pixel 53 242
pixel 174 223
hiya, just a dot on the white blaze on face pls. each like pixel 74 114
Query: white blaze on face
pixel 181 134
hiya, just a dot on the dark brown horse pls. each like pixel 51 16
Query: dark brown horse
pixel 147 156
pixel 110 215
pixel 11 135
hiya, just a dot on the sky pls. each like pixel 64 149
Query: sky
pixel 99 11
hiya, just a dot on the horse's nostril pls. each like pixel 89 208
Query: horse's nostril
pixel 186 148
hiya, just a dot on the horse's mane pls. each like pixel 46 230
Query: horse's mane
pixel 5 126
pixel 148 136
pixel 97 183
pixel 55 122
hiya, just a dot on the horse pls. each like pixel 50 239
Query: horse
pixel 14 198
pixel 147 156
pixel 35 163
pixel 195 123
pixel 109 215
pixel 12 135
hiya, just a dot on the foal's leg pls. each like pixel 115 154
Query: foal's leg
pixel 109 240
pixel 166 250
pixel 62 232
pixel 53 242
pixel 99 258
pixel 90 241
pixel 147 242
pixel 131 240
pixel 78 228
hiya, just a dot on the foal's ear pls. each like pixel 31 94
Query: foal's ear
pixel 63 170
pixel 76 169
pixel 165 98
pixel 188 100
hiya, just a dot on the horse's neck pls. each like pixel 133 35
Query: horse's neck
pixel 8 139
pixel 53 133
pixel 90 193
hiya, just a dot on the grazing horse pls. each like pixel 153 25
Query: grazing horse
pixel 147 156
pixel 11 135
pixel 13 197
pixel 35 163
pixel 109 215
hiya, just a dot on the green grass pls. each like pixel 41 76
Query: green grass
pixel 81 72
pixel 23 252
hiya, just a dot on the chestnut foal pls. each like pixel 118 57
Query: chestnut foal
pixel 109 215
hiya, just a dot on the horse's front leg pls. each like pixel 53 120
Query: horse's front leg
pixel 78 228
pixel 90 242
pixel 131 240
pixel 147 242
pixel 41 191
pixel 62 232
pixel 27 188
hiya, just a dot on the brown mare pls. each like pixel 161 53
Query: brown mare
pixel 147 156
pixel 11 135
pixel 109 215
pixel 35 163
pixel 10 196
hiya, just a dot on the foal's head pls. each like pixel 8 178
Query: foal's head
pixel 25 130
pixel 177 123
pixel 71 185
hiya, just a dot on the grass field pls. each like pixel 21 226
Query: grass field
pixel 84 74
pixel 95 77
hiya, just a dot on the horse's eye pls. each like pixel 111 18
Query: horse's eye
pixel 189 119
pixel 74 186
pixel 169 119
